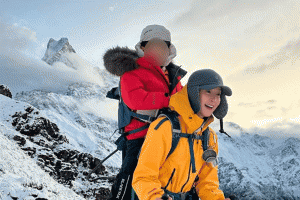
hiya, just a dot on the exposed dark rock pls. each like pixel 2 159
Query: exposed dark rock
pixel 98 194
pixel 40 126
pixel 102 193
pixel 27 124
pixel 5 91
pixel 20 140
pixel 30 150
pixel 64 165
pixel 48 159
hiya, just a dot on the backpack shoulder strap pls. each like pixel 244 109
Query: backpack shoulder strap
pixel 176 135
pixel 172 116
pixel 205 139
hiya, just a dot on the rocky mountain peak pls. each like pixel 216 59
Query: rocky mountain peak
pixel 56 51
pixel 5 91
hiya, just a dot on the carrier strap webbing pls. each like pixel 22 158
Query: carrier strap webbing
pixel 143 117
pixel 137 130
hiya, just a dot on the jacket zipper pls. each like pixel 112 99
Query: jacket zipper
pixel 170 179
pixel 165 80
pixel 187 178
pixel 171 81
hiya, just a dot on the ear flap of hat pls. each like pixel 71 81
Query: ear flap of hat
pixel 172 55
pixel 193 94
pixel 222 109
pixel 138 49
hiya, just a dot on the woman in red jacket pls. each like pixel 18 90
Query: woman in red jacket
pixel 147 79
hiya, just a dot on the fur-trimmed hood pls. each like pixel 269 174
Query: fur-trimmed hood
pixel 119 60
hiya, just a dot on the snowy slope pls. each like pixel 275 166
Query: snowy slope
pixel 20 176
pixel 86 135
pixel 82 114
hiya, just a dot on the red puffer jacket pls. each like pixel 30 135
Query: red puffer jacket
pixel 143 86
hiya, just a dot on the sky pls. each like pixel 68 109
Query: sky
pixel 254 45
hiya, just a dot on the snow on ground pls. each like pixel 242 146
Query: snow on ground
pixel 86 128
pixel 21 177
pixel 73 123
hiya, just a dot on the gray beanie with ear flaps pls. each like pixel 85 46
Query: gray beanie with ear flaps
pixel 207 79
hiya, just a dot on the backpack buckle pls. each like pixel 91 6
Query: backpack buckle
pixel 182 196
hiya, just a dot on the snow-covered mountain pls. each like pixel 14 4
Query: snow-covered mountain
pixel 50 139
pixel 56 51
pixel 258 167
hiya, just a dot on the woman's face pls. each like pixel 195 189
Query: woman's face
pixel 209 101
pixel 156 52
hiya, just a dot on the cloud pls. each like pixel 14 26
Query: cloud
pixel 289 54
pixel 111 8
pixel 230 35
pixel 21 72
pixel 264 114
pixel 272 76
pixel 14 39
pixel 278 129
pixel 201 11
pixel 259 103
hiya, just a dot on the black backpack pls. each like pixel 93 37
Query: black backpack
pixel 172 116
pixel 125 115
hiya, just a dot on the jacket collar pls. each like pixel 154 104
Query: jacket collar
pixel 142 62
pixel 180 103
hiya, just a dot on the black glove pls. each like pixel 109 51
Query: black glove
pixel 165 196
pixel 233 197
pixel 121 142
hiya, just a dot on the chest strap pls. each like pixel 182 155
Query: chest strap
pixel 177 134
pixel 191 138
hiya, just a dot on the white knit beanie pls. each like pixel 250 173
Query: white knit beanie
pixel 156 31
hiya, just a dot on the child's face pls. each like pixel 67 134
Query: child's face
pixel 209 101
pixel 156 52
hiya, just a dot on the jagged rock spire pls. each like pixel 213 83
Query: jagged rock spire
pixel 55 51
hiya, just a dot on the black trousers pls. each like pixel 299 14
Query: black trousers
pixel 121 188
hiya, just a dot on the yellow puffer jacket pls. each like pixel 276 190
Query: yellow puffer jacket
pixel 154 171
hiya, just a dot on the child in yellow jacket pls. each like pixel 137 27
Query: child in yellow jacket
pixel 156 174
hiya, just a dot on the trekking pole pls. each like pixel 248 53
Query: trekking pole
pixel 121 142
pixel 107 157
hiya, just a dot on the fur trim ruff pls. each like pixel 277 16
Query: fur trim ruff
pixel 119 60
